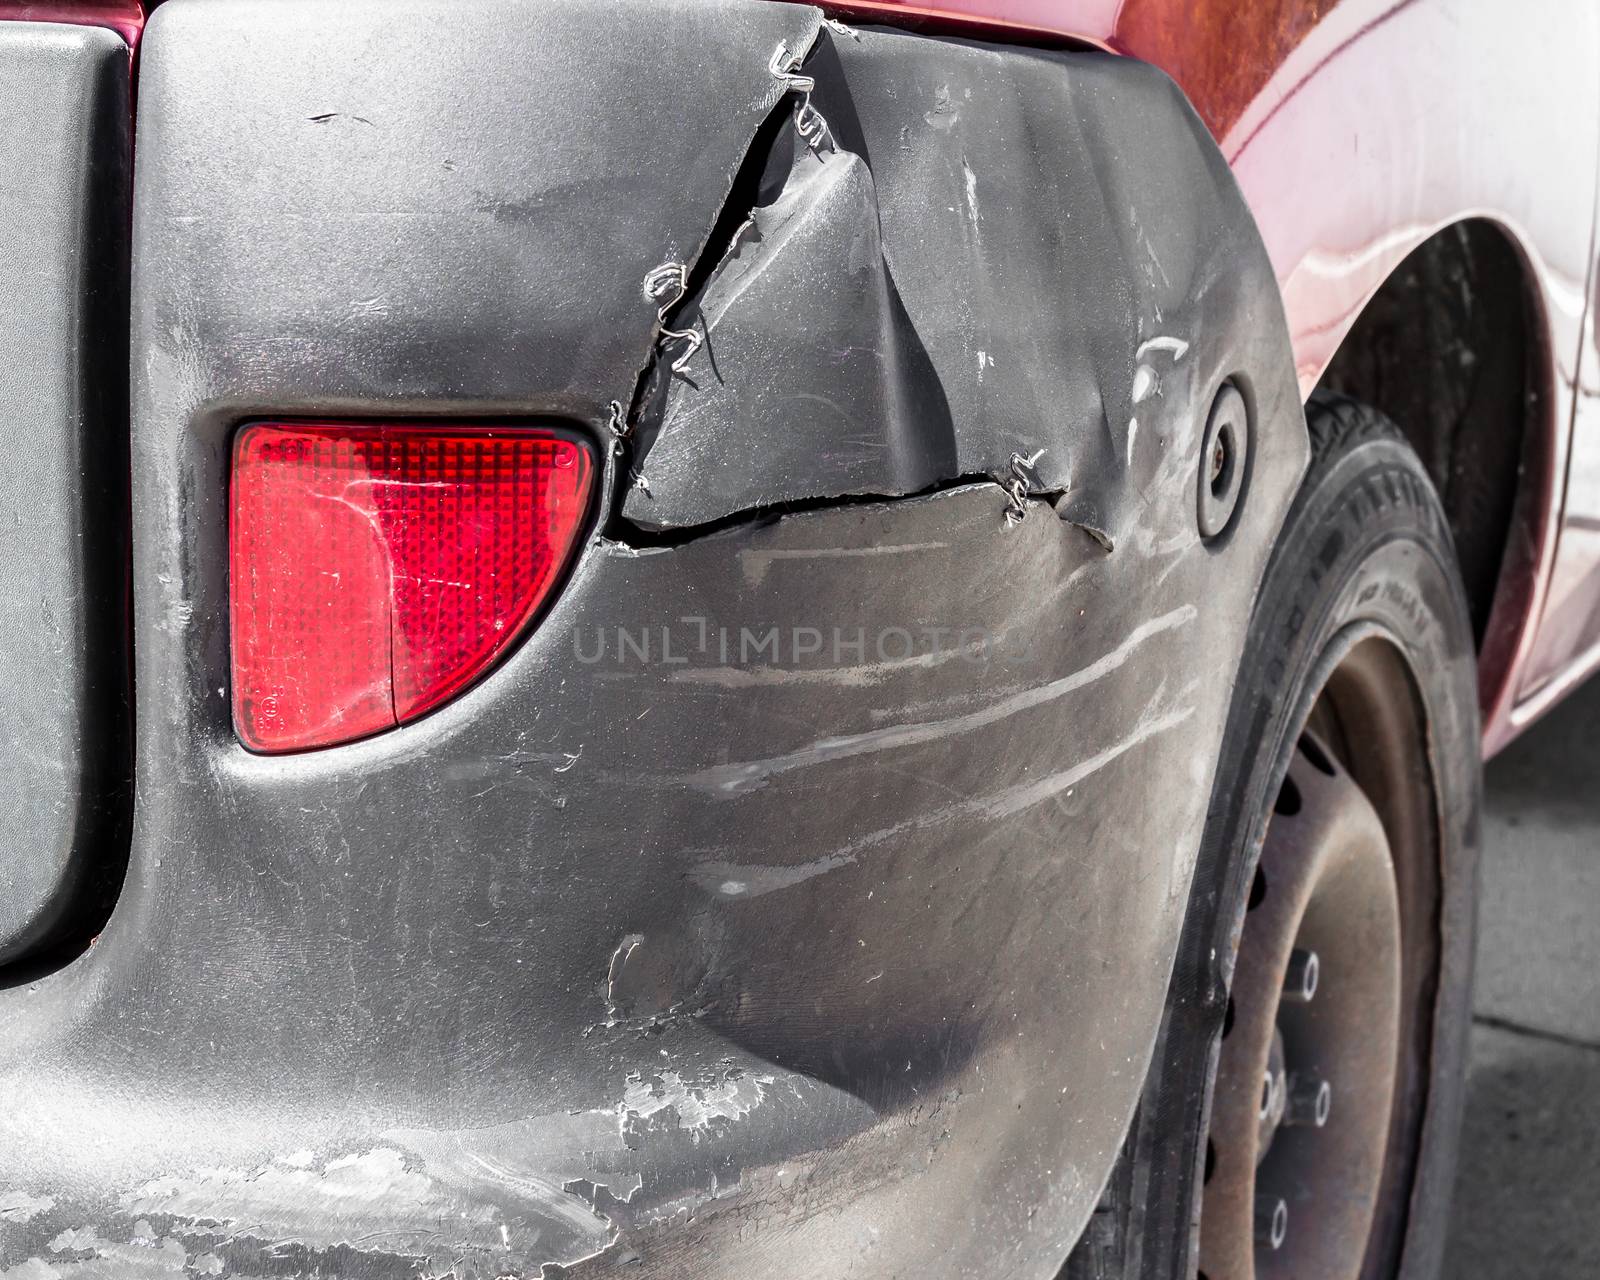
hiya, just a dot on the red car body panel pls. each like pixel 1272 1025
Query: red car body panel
pixel 1356 129
pixel 125 17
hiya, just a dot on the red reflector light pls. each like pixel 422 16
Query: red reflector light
pixel 379 570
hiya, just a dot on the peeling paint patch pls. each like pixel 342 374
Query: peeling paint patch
pixel 696 1104
pixel 314 1204
pixel 19 1206
pixel 83 1254
pixel 522 1165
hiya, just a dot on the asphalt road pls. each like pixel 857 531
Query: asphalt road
pixel 1528 1196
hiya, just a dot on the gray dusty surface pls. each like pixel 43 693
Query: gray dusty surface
pixel 1528 1194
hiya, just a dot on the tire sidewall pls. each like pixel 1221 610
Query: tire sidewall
pixel 1365 552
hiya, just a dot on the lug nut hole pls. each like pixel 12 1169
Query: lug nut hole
pixel 1288 802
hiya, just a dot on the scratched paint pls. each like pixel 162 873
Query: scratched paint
pixel 735 779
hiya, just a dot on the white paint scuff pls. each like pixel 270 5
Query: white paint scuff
pixel 695 1103
pixel 737 777
pixel 19 1206
pixel 737 880
pixel 1177 347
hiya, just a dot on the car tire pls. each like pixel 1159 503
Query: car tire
pixel 1360 648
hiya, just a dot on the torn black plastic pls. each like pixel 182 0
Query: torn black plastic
pixel 1006 252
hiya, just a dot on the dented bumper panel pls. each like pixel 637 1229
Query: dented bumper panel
pixel 801 896
pixel 992 254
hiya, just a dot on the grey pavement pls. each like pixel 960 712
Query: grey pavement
pixel 1528 1193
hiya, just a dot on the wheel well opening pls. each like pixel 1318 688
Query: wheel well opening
pixel 1450 349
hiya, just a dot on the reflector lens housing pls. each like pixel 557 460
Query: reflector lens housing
pixel 377 570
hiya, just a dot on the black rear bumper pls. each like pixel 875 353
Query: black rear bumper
pixel 800 898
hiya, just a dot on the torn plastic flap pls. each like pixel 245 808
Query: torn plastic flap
pixel 809 354
pixel 977 272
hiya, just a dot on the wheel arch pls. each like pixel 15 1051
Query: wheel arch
pixel 1454 346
